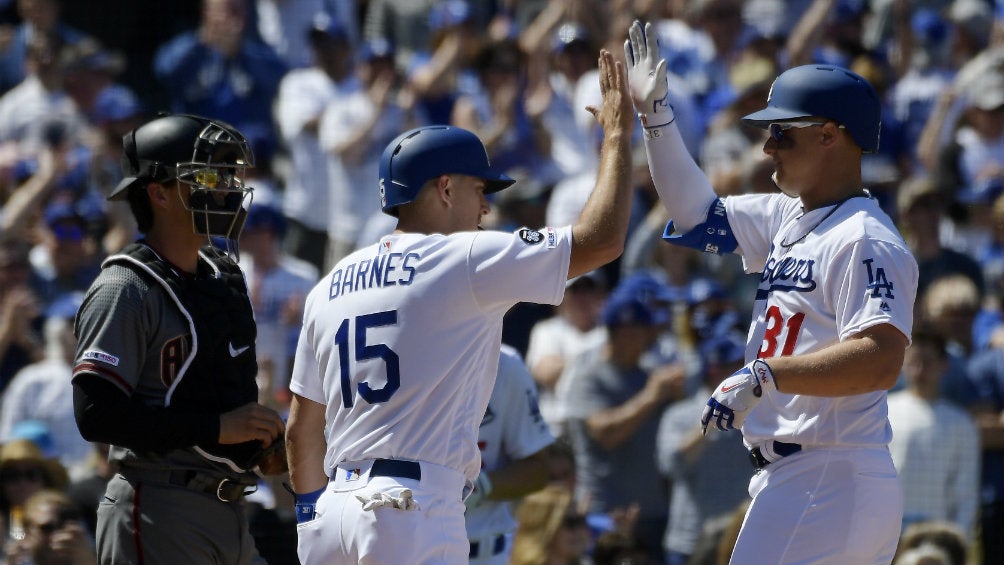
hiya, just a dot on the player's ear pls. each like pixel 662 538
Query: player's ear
pixel 157 192
pixel 829 134
pixel 444 187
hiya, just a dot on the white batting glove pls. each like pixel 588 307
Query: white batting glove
pixel 647 76
pixel 482 488
pixel 381 499
pixel 737 395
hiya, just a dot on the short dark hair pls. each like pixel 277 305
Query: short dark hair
pixel 142 210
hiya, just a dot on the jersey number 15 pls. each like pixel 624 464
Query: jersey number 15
pixel 362 353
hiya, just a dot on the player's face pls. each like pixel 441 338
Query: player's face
pixel 471 204
pixel 788 145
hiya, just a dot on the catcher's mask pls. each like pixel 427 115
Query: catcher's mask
pixel 208 156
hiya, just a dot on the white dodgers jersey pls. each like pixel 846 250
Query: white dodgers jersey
pixel 401 339
pixel 512 428
pixel 825 275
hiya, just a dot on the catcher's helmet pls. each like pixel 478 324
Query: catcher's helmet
pixel 210 156
pixel 421 154
pixel 826 91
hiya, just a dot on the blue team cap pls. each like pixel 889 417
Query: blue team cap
pixel 719 349
pixel 639 300
pixel 929 26
pixel 116 102
pixel 265 217
pixel 376 48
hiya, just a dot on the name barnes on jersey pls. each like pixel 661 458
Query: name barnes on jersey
pixel 386 269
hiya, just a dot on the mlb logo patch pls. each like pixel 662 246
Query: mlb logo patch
pixel 95 355
pixel 353 474
pixel 552 238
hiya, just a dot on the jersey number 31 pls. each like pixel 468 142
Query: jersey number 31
pixel 362 353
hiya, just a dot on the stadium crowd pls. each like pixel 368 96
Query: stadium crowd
pixel 320 87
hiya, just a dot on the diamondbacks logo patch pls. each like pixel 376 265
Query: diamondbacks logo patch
pixel 529 236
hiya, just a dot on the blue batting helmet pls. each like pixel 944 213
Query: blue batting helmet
pixel 424 153
pixel 826 91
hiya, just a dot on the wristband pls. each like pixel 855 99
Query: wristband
pixel 305 504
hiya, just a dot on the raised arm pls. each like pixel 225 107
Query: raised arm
pixel 683 188
pixel 598 236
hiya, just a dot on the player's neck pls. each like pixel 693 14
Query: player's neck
pixel 181 252
pixel 818 200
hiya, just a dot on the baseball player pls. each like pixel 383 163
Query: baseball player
pixel 832 315
pixel 400 342
pixel 513 438
pixel 165 365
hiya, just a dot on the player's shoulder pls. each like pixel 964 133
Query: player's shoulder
pixel 866 221
pixel 120 277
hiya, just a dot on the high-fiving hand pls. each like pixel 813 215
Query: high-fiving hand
pixel 647 76
pixel 737 395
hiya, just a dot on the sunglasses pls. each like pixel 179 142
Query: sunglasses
pixel 12 475
pixel 777 129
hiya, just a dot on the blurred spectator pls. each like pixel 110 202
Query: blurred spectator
pixel 411 25
pixel 357 123
pixel 974 20
pixel 614 407
pixel 499 112
pixel 24 471
pixel 921 211
pixel 829 32
pixel 442 71
pixel 277 285
pixel 117 111
pixel 709 475
pixel 567 59
pixel 620 548
pixel 38 18
pixel 38 112
pixel 302 98
pixel 20 311
pixel 88 68
pixel 54 533
pixel 555 341
pixel 68 257
pixel 937 534
pixel 280 25
pixel 39 392
pixel 728 142
pixel 971 166
pixel 948 308
pixel 923 59
pixel 87 488
pixel 220 70
pixel 986 370
pixel 935 444
pixel 551 530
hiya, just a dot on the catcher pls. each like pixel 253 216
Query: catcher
pixel 165 364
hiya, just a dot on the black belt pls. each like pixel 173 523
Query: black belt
pixel 498 546
pixel 225 489
pixel 396 468
pixel 781 448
